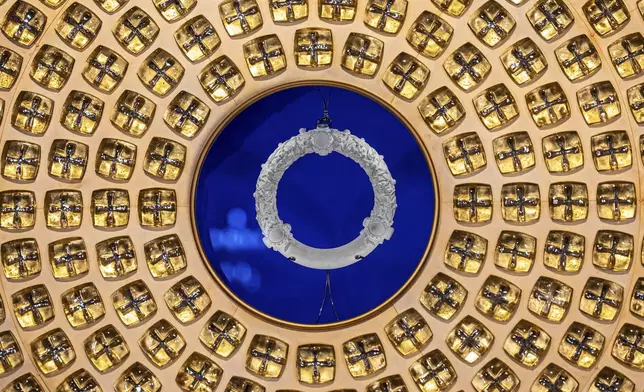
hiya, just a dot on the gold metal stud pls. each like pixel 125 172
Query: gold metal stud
pixel 81 112
pixel 105 69
pixel 68 258
pixel 315 364
pixel 452 7
pixel 464 153
pixel 562 151
pixel 564 251
pixel 115 159
pixel 498 298
pixel 11 357
pixel 133 113
pixel 106 348
pixel 187 300
pixel 527 343
pixel 515 251
pixel 240 17
pixel 441 110
pixel 286 11
pixel 568 201
pixel 78 26
pixel 491 23
pixel 68 160
pixel 265 56
pixel 433 372
pixel 627 55
pixel 606 16
pixel 637 298
pixel 406 76
pixel 616 200
pixel 197 38
pixel 429 35
pixel 364 355
pixel 362 54
pixel 611 151
pixel 25 383
pixel 495 106
pixel 111 6
pixel 51 67
pixel 520 202
pixel 160 72
pixel 495 375
pixel 157 207
pixel 241 384
pixel 20 160
pixel 613 250
pixel 186 114
pixel 635 96
pixel 514 152
pixel 172 10
pixel 80 379
pixel 110 208
pixel 222 334
pixel 550 18
pixel 221 79
pixel 135 30
pixel 408 332
pixel 139 376
pixel 134 303
pixel 164 158
pixel 550 299
pixel 63 209
pixel 33 306
pixel 10 65
pixel 548 105
pixel 629 346
pixel 467 66
pixel 581 345
pixel 394 383
pixel 17 210
pixel 599 102
pixel 473 203
pixel 387 16
pixel 524 61
pixel 116 257
pixel 313 47
pixel 53 352
pixel 443 296
pixel 199 374
pixel 339 11
pixel 23 24
pixel 578 57
pixel 554 376
pixel 162 343
pixel 266 356
pixel 601 299
pixel 165 256
pixel 32 113
pixel 469 340
pixel 83 305
pixel 20 258
pixel 465 252
pixel 608 378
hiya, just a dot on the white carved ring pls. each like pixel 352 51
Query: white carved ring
pixel 322 141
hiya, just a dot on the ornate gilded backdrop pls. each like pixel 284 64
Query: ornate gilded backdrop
pixel 530 114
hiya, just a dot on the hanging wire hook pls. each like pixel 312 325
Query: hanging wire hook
pixel 327 290
pixel 326 119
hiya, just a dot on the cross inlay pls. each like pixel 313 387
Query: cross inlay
pixel 601 299
pixel 548 105
pixel 567 201
pixel 442 110
pixel 25 23
pixel 64 208
pixel 313 47
pixel 53 352
pixel 134 113
pixel 616 202
pixel 197 39
pixel 409 332
pixel 138 386
pixel 21 160
pixel 241 15
pixel 32 113
pixel 69 259
pixel 467 67
pixel 157 207
pixel 68 160
pixel 337 5
pixel 549 296
pixel 116 159
pixel 21 259
pixel 466 252
pixel 562 151
pixel 523 61
pixel 612 250
pixel 606 12
pixel 429 33
pixel 78 26
pixel 464 153
pixel 4 59
pixel 117 258
pixel 581 345
pixel 290 12
pixel 105 69
pixel 266 356
pixel 527 344
pixel 611 151
pixel 134 303
pixel 555 386
pixel 362 55
pixel 187 114
pixel 33 305
pixel 16 209
pixel 443 297
pixel 496 106
pixel 469 341
pixel 162 343
pixel 614 386
pixel 473 203
pixel 385 12
pixel 110 208
pixel 433 372
pixel 514 153
pixel 598 103
pixel 5 351
pixel 515 252
pixel 316 364
pixel 492 24
pixel 188 300
pixel 161 72
pixel 495 382
pixel 199 377
pixel 57 65
pixel 637 345
pixel 363 355
pixel 498 299
pixel 178 5
pixel 550 16
pixel 220 79
pixel 564 251
pixel 136 31
pixel 165 256
pixel 165 160
pixel 82 112
pixel 79 303
pixel 520 202
pixel 578 58
pixel 223 334
pixel 631 55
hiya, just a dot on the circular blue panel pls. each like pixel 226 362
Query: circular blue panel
pixel 324 199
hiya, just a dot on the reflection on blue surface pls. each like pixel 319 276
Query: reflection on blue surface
pixel 325 199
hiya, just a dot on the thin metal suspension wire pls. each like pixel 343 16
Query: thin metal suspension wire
pixel 326 119
pixel 327 289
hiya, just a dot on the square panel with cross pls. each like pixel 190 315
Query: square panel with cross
pixel 629 346
pixel 20 160
pixel 242 384
pixel 133 113
pixel 616 200
pixel 627 55
pixel 161 72
pixel 601 299
pixel 515 251
pixel 32 113
pixel 115 159
pixel 199 374
pixel 51 67
pixel 137 378
pixel 172 10
pixel 337 10
pixel 23 24
pixel 496 106
pixel 11 357
pixel 63 209
pixel 495 375
pixel 135 30
pixel 610 379
pixel 134 303
pixel 562 151
pixel 81 380
pixel 186 114
pixel 599 103
pixel 452 7
pixel 429 35
pixel 578 57
pixel 68 159
pixel 527 343
pixel 564 251
pixel 165 158
pixel 10 65
pixel 81 112
pixel 162 343
pixel 105 69
pixel 106 348
pixel 498 298
pixel 524 61
pixel 83 305
pixel 32 306
pixel 554 378
pixel 265 56
pixel 222 334
pixel 635 96
pixel 52 351
pixel 568 201
pixel 17 210
pixel 611 150
pixel 491 23
pixel 550 18
pixel 513 152
pixel 116 257
pixel 613 250
pixel 581 345
pixel 467 66
pixel 313 47
pixel 362 54
pixel 443 296
pixel 20 258
pixel 287 11
pixel 197 38
pixel 408 332
pixel 266 356
pixel 364 355
pixel 187 300
pixel 110 208
pixel 472 203
pixel 550 299
pixel 465 251
pixel 469 340
pixel 406 76
pixel 157 207
pixel 221 79
pixel 68 258
pixel 393 383
pixel 637 298
pixel 464 153
pixel 387 16
pixel 240 17
pixel 165 256
pixel 78 26
pixel 315 364
pixel 27 383
pixel 433 372
pixel 110 6
pixel 606 16
pixel 441 110
pixel 548 105
pixel 520 202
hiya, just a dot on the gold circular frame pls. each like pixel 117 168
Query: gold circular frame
pixel 421 264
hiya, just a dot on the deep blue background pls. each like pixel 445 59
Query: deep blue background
pixel 325 199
